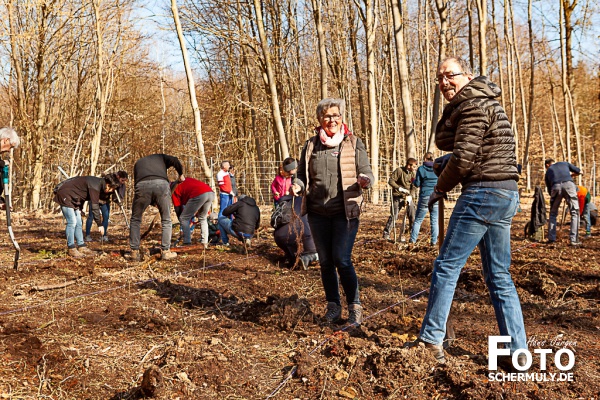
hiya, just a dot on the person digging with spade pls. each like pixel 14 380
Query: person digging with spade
pixel 475 128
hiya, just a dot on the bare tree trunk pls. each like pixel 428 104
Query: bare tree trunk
pixel 272 85
pixel 563 53
pixel 401 56
pixel 498 53
pixel 395 142
pixel 542 141
pixel 442 7
pixel 370 21
pixel 426 71
pixel 356 63
pixel 519 75
pixel 192 92
pixel 317 14
pixel 512 78
pixel 482 16
pixel 568 9
pixel 470 34
pixel 104 84
pixel 531 90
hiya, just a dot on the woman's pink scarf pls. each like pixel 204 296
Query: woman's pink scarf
pixel 335 140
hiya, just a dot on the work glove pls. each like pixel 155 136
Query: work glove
pixel 435 197
pixel 101 230
pixel 402 190
pixel 363 181
pixel 409 199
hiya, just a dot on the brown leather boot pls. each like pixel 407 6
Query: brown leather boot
pixel 73 252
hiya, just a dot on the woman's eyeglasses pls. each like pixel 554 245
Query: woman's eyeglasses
pixel 333 117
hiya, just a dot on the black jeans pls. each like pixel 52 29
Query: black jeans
pixel 397 204
pixel 334 237
pixel 287 238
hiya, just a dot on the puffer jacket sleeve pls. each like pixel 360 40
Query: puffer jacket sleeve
pixel 472 124
pixel 362 161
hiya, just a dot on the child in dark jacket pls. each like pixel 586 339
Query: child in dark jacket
pixel 214 234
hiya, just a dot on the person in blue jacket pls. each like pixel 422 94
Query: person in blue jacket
pixel 560 185
pixel 425 180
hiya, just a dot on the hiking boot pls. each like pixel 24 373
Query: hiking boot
pixel 73 252
pixel 86 251
pixel 386 236
pixel 436 350
pixel 587 235
pixel 167 255
pixel 355 314
pixel 88 238
pixel 104 238
pixel 522 360
pixel 247 243
pixel 575 244
pixel 135 255
pixel 506 363
pixel 333 312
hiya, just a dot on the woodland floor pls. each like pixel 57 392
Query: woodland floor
pixel 223 325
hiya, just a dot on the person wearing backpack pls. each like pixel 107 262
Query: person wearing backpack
pixel 289 227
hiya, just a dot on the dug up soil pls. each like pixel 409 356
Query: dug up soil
pixel 221 324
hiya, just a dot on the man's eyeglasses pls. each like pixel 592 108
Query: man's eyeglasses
pixel 333 117
pixel 448 77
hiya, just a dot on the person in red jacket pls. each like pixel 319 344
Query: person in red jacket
pixel 192 197
pixel 225 187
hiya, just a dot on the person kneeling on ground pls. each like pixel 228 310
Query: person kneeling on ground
pixel 214 234
pixel 246 220
pixel 70 195
pixel 289 225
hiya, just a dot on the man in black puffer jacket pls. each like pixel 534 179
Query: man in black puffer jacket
pixel 475 128
pixel 246 220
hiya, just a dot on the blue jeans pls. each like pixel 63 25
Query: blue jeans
pixel 587 218
pixel 482 217
pixel 156 192
pixel 105 211
pixel 422 210
pixel 225 200
pixel 226 229
pixel 201 203
pixel 334 237
pixel 568 191
pixel 74 224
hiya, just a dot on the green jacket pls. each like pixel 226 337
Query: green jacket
pixel 402 179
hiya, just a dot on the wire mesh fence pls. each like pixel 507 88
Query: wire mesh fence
pixel 254 179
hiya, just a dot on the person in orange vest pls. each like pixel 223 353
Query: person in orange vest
pixel 584 198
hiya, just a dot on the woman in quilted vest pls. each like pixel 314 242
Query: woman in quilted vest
pixel 334 169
